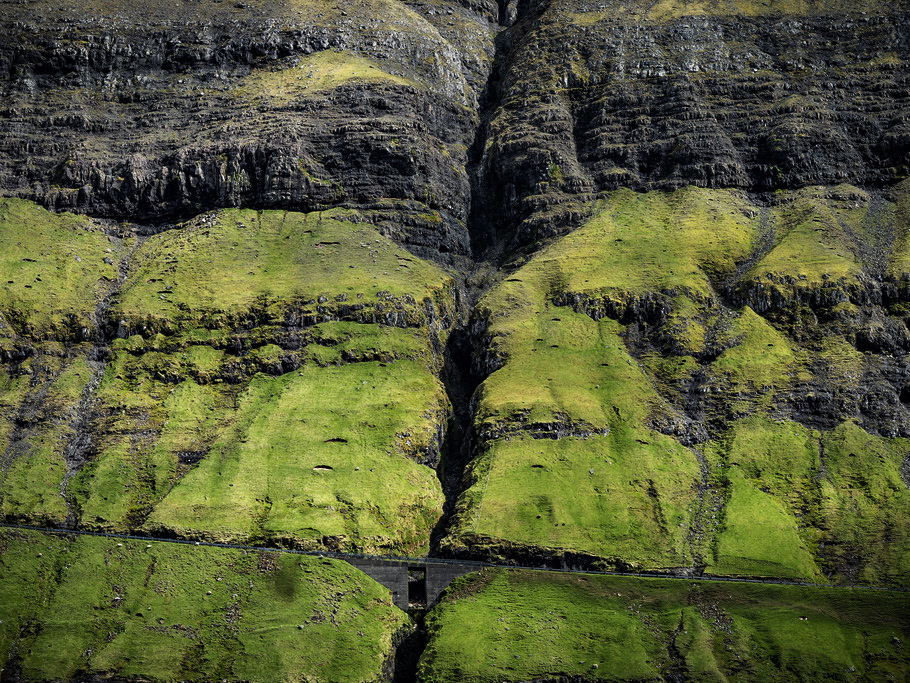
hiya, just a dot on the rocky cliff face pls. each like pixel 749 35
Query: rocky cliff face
pixel 152 115
pixel 662 95
pixel 613 285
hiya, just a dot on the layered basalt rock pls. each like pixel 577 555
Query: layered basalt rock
pixel 465 131
pixel 648 96
pixel 151 115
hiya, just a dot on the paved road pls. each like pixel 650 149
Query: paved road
pixel 418 561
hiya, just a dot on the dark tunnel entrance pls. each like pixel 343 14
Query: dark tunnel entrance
pixel 417 585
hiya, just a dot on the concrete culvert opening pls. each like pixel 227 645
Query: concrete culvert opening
pixel 322 468
pixel 417 585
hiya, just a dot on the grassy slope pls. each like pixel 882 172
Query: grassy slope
pixel 656 241
pixel 562 366
pixel 30 482
pixel 516 625
pixel 264 267
pixel 636 504
pixel 768 470
pixel 632 490
pixel 260 478
pixel 812 244
pixel 244 264
pixel 216 310
pixel 52 271
pixel 865 505
pixel 98 606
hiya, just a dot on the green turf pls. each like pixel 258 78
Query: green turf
pixel 264 476
pixel 33 473
pixel 52 270
pixel 760 536
pixel 757 354
pixel 92 606
pixel 812 243
pixel 211 316
pixel 503 625
pixel 618 497
pixel 631 495
pixel 149 425
pixel 865 506
pixel 339 342
pixel 270 432
pixel 654 241
pixel 565 371
pixel 244 267
pixel 802 504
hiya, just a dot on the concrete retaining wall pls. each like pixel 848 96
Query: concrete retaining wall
pixel 393 575
pixel 439 576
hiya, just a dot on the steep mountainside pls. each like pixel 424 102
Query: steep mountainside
pixel 605 286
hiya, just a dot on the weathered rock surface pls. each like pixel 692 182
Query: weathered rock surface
pixel 462 131
pixel 598 97
pixel 151 115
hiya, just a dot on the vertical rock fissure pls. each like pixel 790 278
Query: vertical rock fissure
pixel 457 376
pixel 78 449
pixel 456 447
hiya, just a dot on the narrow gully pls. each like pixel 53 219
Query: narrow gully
pixel 78 449
pixel 457 375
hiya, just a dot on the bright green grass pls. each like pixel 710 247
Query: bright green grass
pixel 30 486
pixel 769 471
pixel 654 241
pixel 800 501
pixel 635 509
pixel 263 266
pixel 61 613
pixel 686 326
pixel 175 395
pixel 566 365
pixel 516 625
pixel 313 74
pixel 341 341
pixel 760 536
pixel 263 476
pixel 564 369
pixel 782 455
pixel 52 270
pixel 865 505
pixel 636 244
pixel 812 243
pixel 133 470
pixel 760 359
